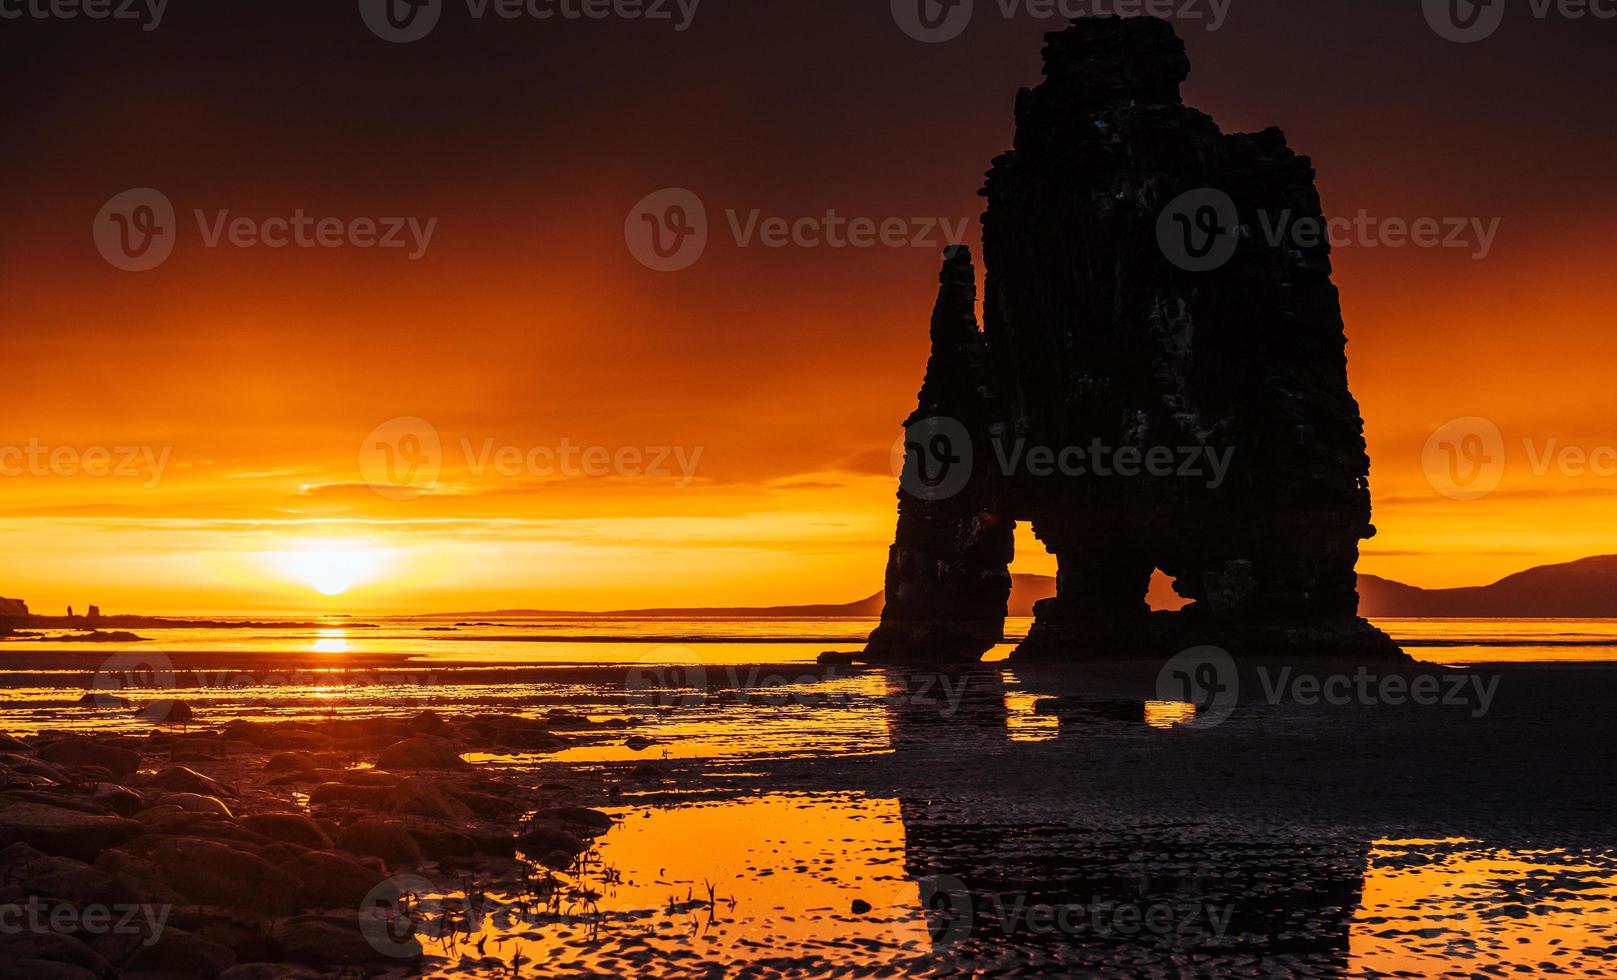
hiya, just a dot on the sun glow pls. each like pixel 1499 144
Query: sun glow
pixel 331 568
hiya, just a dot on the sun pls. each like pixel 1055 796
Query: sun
pixel 331 568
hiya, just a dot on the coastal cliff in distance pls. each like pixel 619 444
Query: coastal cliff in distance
pixel 12 608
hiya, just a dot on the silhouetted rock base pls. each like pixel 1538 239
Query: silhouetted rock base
pixel 1159 636
pixel 928 643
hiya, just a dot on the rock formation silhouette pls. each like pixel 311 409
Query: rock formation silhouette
pixel 1156 384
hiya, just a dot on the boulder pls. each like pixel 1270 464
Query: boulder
pixel 55 947
pixel 329 881
pixel 269 971
pixel 29 969
pixel 213 873
pixel 385 839
pixel 181 955
pixel 422 752
pixel 291 828
pixel 75 751
pixel 179 779
pixel 194 803
pixel 167 711
pixel 547 838
pixel 324 943
pixel 424 798
pixel 58 830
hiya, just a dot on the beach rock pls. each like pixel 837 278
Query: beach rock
pixel 292 762
pixel 639 743
pixel 31 969
pixel 79 751
pixel 213 873
pixel 28 766
pixel 167 711
pixel 194 803
pixel 385 839
pixel 269 971
pixel 545 839
pixel 424 798
pixel 420 753
pixel 586 821
pixel 54 947
pixel 181 955
pixel 324 943
pixel 117 799
pixel 646 772
pixel 837 658
pixel 61 831
pixel 859 906
pixel 291 828
pixel 103 701
pixel 330 880
pixel 428 722
pixel 179 779
pixel 438 841
pixel 366 797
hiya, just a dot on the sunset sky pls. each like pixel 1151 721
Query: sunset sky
pixel 254 375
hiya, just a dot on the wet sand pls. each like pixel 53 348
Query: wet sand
pixel 792 819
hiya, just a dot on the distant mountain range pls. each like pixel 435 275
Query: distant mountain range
pixel 1583 589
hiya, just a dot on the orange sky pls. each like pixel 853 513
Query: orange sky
pixel 256 374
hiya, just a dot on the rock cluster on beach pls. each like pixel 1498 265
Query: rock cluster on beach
pixel 269 848
pixel 1104 331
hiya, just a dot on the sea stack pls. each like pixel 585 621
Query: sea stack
pixel 1158 384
